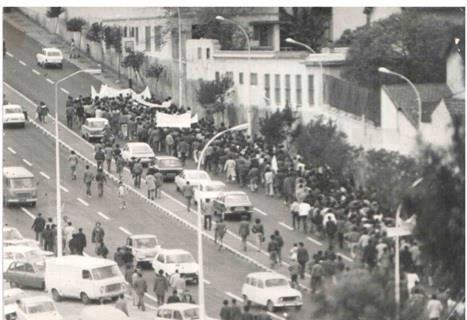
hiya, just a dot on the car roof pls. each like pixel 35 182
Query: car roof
pixel 166 158
pixel 136 144
pixel 19 249
pixel 213 183
pixel 98 119
pixel 141 236
pixel 17 172
pixel 173 251
pixel 178 306
pixel 33 299
pixel 193 171
pixel 82 261
pixel 234 193
pixel 11 106
pixel 266 275
pixel 52 49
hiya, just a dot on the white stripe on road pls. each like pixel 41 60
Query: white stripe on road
pixel 230 294
pixel 28 213
pixel 63 188
pixel 275 316
pixel 65 90
pixel 36 72
pixel 103 215
pixel 44 175
pixel 50 81
pixel 83 202
pixel 261 211
pixel 27 162
pixel 345 257
pixel 285 226
pixel 147 295
pixel 10 55
pixel 124 230
pixel 11 150
pixel 315 241
pixel 207 281
pixel 22 62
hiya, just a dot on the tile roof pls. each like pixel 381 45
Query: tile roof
pixel 404 98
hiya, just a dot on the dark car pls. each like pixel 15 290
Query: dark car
pixel 233 204
pixel 25 274
pixel 167 165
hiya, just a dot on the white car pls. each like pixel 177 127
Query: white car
pixel 12 237
pixel 144 247
pixel 37 308
pixel 270 289
pixel 138 150
pixel 13 115
pixel 195 177
pixel 178 311
pixel 50 56
pixel 208 190
pixel 169 260
pixel 94 128
pixel 10 296
pixel 23 253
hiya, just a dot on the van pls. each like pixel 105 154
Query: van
pixel 85 278
pixel 19 186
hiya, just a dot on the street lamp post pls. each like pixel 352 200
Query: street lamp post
pixel 202 310
pixel 180 66
pixel 57 158
pixel 248 109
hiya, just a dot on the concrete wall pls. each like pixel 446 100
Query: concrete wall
pixel 455 74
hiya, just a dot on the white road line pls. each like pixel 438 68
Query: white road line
pixel 103 215
pixel 207 281
pixel 275 316
pixel 28 213
pixel 44 175
pixel 315 241
pixel 50 81
pixel 10 55
pixel 345 257
pixel 85 254
pixel 285 226
pixel 150 297
pixel 124 230
pixel 11 150
pixel 65 91
pixel 36 72
pixel 22 62
pixel 83 202
pixel 230 294
pixel 27 162
pixel 63 188
pixel 261 211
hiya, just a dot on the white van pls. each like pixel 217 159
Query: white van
pixel 19 186
pixel 86 278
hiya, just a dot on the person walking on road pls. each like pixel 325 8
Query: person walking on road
pixel 121 305
pixel 122 195
pixel 244 232
pixel 317 273
pixel 272 250
pixel 302 258
pixel 280 245
pixel 73 162
pixel 102 250
pixel 188 194
pixel 137 171
pixel 161 286
pixel 38 226
pixel 98 234
pixel 247 315
pixel 108 153
pixel 224 314
pixel 119 165
pixel 159 180
pixel 68 233
pixel 141 287
pixel 208 211
pixel 80 241
pixel 258 231
pixel 151 185
pixel 235 311
pixel 134 277
pixel 101 180
pixel 88 177
pixel 99 156
pixel 434 308
pixel 48 240
pixel 219 233
pixel 294 270
pixel 70 112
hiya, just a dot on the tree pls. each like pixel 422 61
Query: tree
pixel 155 71
pixel 112 36
pixel 134 60
pixel 439 205
pixel 96 34
pixel 274 127
pixel 409 43
pixel 76 25
pixel 306 25
pixel 212 94
pixel 54 13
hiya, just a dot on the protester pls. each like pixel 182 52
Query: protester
pixel 38 226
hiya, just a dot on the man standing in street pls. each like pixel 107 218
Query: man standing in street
pixel 141 287
pixel 224 314
pixel 258 231
pixel 280 245
pixel 272 250
pixel 235 311
pixel 161 286
pixel 108 153
pixel 137 170
pixel 188 194
pixel 97 234
pixel 244 232
pixel 159 180
pixel 73 162
pixel 219 233
pixel 38 226
pixel 208 212
pixel 88 178
pixel 100 179
pixel 70 112
pixel 302 258
pixel 99 157
pixel 68 233
pixel 80 241
pixel 151 184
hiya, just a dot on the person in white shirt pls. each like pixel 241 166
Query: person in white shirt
pixel 303 211
pixel 434 308
pixel 294 209
pixel 68 232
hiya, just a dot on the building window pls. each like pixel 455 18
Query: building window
pixel 311 91
pixel 132 32
pixel 200 53
pixel 298 90
pixel 136 35
pixel 277 88
pixel 287 88
pixel 157 38
pixel 125 31
pixel 147 43
pixel 263 34
pixel 253 79
pixel 218 76
pixel 208 53
pixel 240 77
pixel 229 75
pixel 267 88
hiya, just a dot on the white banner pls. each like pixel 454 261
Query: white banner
pixel 165 120
pixel 109 92
pixel 194 119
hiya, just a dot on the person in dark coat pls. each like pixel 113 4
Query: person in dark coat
pixel 38 226
pixel 173 298
pixel 98 234
pixel 225 313
pixel 247 315
pixel 272 249
pixel 235 311
pixel 102 250
pixel 81 241
pixel 48 241
pixel 302 258
pixel 244 232
pixel 161 286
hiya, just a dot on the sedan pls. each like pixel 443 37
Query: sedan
pixel 23 253
pixel 194 177
pixel 169 166
pixel 12 237
pixel 208 190
pixel 138 150
pixel 170 260
pixel 233 204
pixel 25 274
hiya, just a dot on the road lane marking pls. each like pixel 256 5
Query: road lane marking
pixel 63 188
pixel 50 81
pixel 83 202
pixel 28 213
pixel 275 316
pixel 345 257
pixel 27 162
pixel 36 72
pixel 230 294
pixel 103 215
pixel 261 212
pixel 285 225
pixel 65 91
pixel 11 150
pixel 124 230
pixel 44 175
pixel 314 241
pixel 207 281
pixel 10 55
pixel 22 62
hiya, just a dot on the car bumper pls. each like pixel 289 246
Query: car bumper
pixel 26 200
pixel 289 304
pixel 169 174
pixel 189 276
pixel 237 214
pixel 14 121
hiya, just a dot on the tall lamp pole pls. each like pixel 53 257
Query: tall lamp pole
pixel 248 108
pixel 202 309
pixel 180 66
pixel 57 158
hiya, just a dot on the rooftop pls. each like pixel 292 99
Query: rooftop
pixel 456 107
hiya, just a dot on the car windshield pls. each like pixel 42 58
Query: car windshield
pixel 13 110
pixel 180 258
pixel 276 283
pixel 171 163
pixel 197 175
pixel 140 149
pixel 21 183
pixel 238 199
pixel 191 314
pixel 145 243
pixel 39 307
pixel 53 54
pixel 12 234
pixel 105 272
pixel 217 187
pixel 97 124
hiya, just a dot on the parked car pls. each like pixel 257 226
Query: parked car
pixel 23 253
pixel 178 311
pixel 233 204
pixel 25 274
pixel 94 128
pixel 270 289
pixel 169 260
pixel 138 150
pixel 208 190
pixel 37 308
pixel 19 186
pixel 195 177
pixel 101 312
pixel 169 166
pixel 50 57
pixel 144 247
pixel 13 114
pixel 12 237
pixel 10 296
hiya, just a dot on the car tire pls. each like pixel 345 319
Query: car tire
pixel 42 285
pixel 177 188
pixel 84 298
pixel 270 306
pixel 245 299
pixel 60 65
pixel 56 296
pixel 33 204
